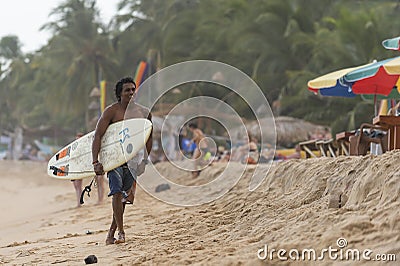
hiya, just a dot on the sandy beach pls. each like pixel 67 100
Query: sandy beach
pixel 301 204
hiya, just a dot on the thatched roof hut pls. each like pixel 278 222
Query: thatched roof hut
pixel 289 130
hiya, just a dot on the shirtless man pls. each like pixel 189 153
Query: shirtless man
pixel 201 145
pixel 122 180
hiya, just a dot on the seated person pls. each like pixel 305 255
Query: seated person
pixel 252 149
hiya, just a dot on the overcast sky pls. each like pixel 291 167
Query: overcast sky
pixel 25 17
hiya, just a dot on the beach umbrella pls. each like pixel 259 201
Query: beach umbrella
pixel 374 78
pixel 392 44
pixel 377 78
pixel 393 95
pixel 333 84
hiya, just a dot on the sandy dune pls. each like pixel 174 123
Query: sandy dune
pixel 301 204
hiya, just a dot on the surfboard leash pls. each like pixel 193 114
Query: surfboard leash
pixel 87 189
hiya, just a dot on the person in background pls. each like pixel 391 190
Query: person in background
pixel 253 153
pixel 248 152
pixel 78 185
pixel 201 146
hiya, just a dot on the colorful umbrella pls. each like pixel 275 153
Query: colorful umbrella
pixel 393 95
pixel 333 84
pixel 392 44
pixel 377 78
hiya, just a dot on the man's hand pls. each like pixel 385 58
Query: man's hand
pixel 98 168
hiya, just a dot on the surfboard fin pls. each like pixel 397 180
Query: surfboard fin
pixel 62 171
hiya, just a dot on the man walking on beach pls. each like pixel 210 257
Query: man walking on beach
pixel 122 180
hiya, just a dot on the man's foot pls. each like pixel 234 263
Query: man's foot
pixel 110 241
pixel 121 238
pixel 110 237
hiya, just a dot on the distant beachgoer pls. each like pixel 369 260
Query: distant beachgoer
pixel 179 144
pixel 201 147
pixel 295 155
pixel 122 180
pixel 78 184
pixel 254 154
pixel 248 152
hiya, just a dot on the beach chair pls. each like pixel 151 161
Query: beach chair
pixel 326 148
pixel 360 143
pixel 310 148
pixel 343 142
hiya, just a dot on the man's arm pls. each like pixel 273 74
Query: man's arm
pixel 101 128
pixel 148 147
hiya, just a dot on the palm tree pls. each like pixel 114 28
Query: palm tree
pixel 80 53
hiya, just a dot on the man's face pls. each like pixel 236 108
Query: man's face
pixel 128 92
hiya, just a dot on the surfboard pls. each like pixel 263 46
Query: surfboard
pixel 120 143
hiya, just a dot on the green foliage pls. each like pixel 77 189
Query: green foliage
pixel 10 47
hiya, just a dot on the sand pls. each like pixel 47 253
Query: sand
pixel 301 204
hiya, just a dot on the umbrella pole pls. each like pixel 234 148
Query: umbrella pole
pixel 375 110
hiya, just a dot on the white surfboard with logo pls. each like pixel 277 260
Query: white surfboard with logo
pixel 120 143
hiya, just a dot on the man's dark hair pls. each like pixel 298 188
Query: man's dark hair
pixel 193 125
pixel 118 86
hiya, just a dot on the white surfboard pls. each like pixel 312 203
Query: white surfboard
pixel 120 143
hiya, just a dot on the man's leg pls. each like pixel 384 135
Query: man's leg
pixel 115 184
pixel 118 212
pixel 113 227
pixel 110 236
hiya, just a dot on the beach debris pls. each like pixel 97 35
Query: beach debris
pixel 337 200
pixel 18 244
pixel 24 253
pixel 59 261
pixel 91 259
pixel 162 187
